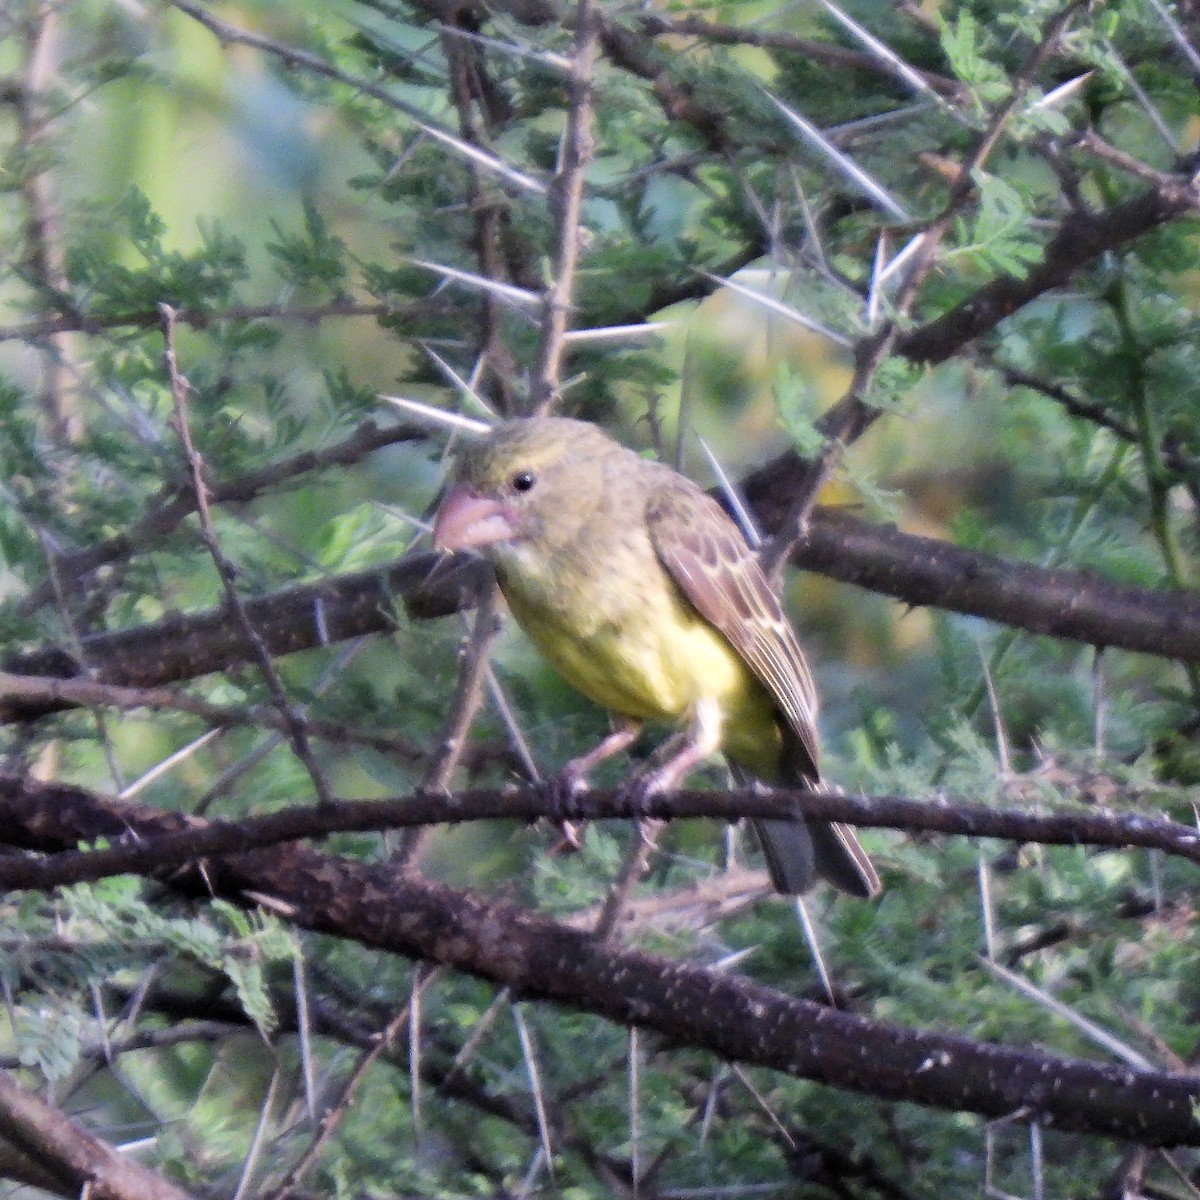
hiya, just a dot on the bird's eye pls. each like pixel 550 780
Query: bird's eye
pixel 522 481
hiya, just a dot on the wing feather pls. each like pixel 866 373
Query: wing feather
pixel 706 555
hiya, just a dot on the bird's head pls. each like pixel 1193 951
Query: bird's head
pixel 527 481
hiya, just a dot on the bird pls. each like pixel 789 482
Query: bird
pixel 644 595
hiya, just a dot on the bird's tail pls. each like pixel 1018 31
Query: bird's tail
pixel 799 852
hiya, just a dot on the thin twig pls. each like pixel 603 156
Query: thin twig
pixel 296 727
pixel 566 204
pixel 469 694
pixel 108 1050
pixel 31 689
pixel 177 502
pixel 490 229
pixel 235 770
pixel 852 415
pixel 44 237
pixel 77 648
pixel 333 1116
pixel 808 49
pixel 227 33
pixel 312 314
pixel 1097 146
pixel 633 867
pixel 259 1138
pixel 939 814
pixel 536 1091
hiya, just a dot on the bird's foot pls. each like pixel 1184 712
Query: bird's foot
pixel 684 754
pixel 641 789
pixel 563 808
pixel 570 837
pixel 564 792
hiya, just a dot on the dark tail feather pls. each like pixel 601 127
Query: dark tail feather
pixel 790 855
pixel 798 851
pixel 841 859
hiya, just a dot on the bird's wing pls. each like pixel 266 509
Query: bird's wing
pixel 706 555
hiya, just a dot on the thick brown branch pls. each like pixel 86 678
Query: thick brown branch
pixel 731 1017
pixel 82 1162
pixel 1066 604
pixel 298 618
pixel 1082 238
pixel 916 570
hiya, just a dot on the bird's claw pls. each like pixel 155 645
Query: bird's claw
pixel 564 792
pixel 564 809
pixel 638 792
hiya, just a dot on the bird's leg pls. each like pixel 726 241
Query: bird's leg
pixel 572 779
pixel 701 739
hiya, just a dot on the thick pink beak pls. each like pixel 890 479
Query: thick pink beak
pixel 466 520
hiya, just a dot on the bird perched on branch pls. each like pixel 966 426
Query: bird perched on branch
pixel 640 590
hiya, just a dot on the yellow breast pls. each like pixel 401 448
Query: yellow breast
pixel 654 659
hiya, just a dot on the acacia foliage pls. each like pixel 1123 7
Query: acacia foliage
pixel 933 266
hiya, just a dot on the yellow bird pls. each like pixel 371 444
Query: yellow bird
pixel 644 595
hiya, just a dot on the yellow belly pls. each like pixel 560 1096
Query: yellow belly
pixel 657 663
